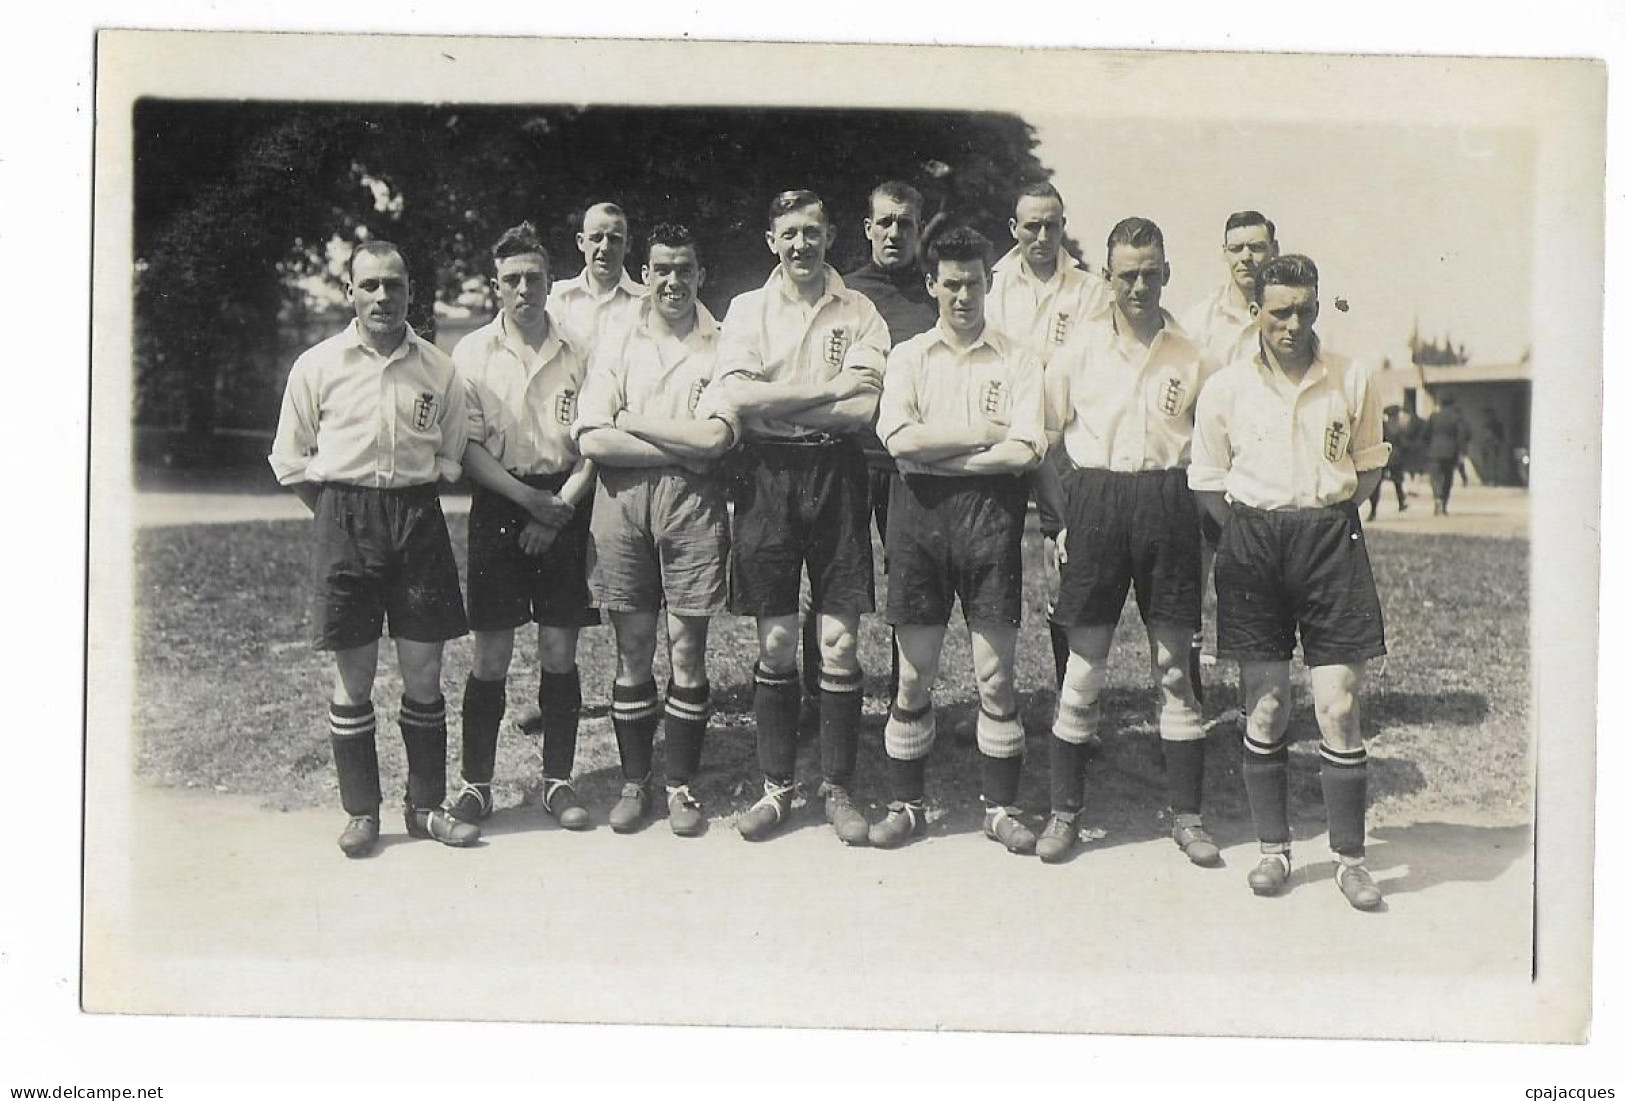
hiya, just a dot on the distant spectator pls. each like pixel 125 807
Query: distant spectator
pixel 1447 437
pixel 1398 427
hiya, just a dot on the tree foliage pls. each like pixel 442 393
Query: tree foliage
pixel 234 202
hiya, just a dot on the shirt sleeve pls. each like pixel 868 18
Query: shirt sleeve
pixel 603 394
pixel 738 352
pixel 1211 455
pixel 872 341
pixel 295 441
pixel 1028 416
pixel 1366 446
pixel 448 457
pixel 463 357
pixel 711 404
pixel 1058 390
pixel 899 404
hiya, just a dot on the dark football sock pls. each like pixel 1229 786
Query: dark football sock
pixel 1263 770
pixel 1066 765
pixel 907 779
pixel 634 713
pixel 1184 761
pixel 687 710
pixel 423 729
pixel 483 704
pixel 353 730
pixel 558 697
pixel 778 709
pixel 1001 780
pixel 1061 650
pixel 1343 786
pixel 838 717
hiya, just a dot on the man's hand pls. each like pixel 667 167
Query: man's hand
pixel 1054 559
pixel 546 508
pixel 534 538
pixel 852 381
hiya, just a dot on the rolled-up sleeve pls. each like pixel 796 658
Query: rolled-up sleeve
pixel 1058 390
pixel 448 457
pixel 1366 447
pixel 899 404
pixel 295 441
pixel 1029 419
pixel 602 396
pixel 1211 455
pixel 738 349
pixel 713 404
pixel 872 341
pixel 466 359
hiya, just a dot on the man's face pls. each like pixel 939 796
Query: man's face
pixel 1138 275
pixel 379 290
pixel 1246 248
pixel 1037 227
pixel 1286 320
pixel 602 242
pixel 893 229
pixel 522 284
pixel 960 288
pixel 674 277
pixel 800 239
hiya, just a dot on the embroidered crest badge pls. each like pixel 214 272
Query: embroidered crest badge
pixel 1172 397
pixel 695 392
pixel 564 407
pixel 835 347
pixel 1337 440
pixel 424 410
pixel 993 400
pixel 1058 326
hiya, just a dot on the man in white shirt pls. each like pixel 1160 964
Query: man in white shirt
pixel 527 525
pixel 372 419
pixel 1122 401
pixel 962 411
pixel 801 361
pixel 651 423
pixel 1288 444
pixel 603 298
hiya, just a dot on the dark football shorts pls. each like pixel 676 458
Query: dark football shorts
pixel 955 536
pixel 1301 571
pixel 1135 529
pixel 383 553
pixel 801 503
pixel 508 588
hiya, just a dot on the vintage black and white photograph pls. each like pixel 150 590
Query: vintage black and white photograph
pixel 846 537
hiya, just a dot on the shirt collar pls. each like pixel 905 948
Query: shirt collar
pixel 705 324
pixel 515 340
pixel 352 340
pixel 990 337
pixel 834 285
pixel 583 284
pixel 1266 362
pixel 1171 328
pixel 1012 261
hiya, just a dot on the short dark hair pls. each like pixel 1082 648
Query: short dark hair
pixel 795 199
pixel 1291 270
pixel 371 248
pixel 1241 219
pixel 898 192
pixel 521 240
pixel 960 243
pixel 673 235
pixel 1133 233
pixel 1041 189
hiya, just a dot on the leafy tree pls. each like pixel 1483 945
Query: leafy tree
pixel 236 204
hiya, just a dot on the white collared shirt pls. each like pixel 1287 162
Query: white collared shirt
pixel 1268 442
pixel 522 404
pixel 1043 315
pixel 774 335
pixel 350 414
pixel 587 317
pixel 1222 325
pixel 933 380
pixel 1122 405
pixel 651 371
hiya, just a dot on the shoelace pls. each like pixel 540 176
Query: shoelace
pixel 909 809
pixel 682 793
pixel 772 793
pixel 483 797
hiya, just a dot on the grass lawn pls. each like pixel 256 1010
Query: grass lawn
pixel 231 696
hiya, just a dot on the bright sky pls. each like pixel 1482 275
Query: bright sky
pixel 1431 223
